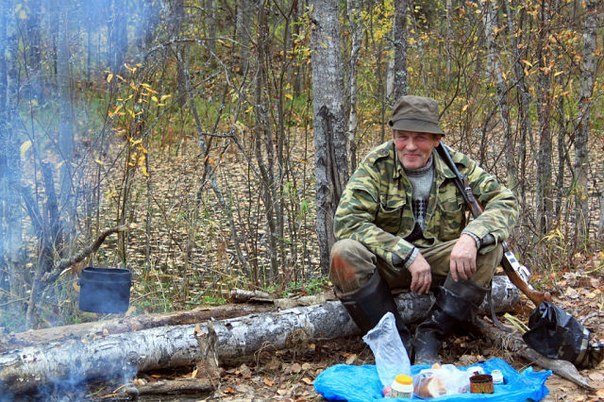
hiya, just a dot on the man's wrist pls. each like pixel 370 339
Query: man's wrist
pixel 476 239
pixel 407 261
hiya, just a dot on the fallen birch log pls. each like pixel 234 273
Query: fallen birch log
pixel 91 330
pixel 77 360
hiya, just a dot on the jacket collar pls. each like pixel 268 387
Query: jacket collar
pixel 442 170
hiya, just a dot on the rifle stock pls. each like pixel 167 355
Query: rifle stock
pixel 517 273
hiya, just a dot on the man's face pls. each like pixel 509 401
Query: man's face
pixel 414 149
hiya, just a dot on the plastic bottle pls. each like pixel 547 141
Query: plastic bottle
pixel 402 387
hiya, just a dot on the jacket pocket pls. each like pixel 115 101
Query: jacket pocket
pixel 390 214
pixel 450 217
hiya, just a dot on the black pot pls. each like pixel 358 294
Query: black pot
pixel 105 290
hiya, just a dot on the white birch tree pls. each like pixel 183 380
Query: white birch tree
pixel 329 119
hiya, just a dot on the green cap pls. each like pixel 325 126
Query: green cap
pixel 417 114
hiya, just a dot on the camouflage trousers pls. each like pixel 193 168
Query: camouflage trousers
pixel 352 264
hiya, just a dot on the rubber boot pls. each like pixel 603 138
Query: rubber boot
pixel 456 304
pixel 368 305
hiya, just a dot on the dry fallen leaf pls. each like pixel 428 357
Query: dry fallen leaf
pixel 306 366
pixel 229 390
pixel 295 368
pixel 307 381
pixel 351 359
pixel 571 293
pixel 268 382
pixel 596 377
pixel 244 371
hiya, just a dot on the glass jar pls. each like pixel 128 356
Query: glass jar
pixel 402 387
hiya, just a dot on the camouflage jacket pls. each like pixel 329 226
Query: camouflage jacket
pixel 376 206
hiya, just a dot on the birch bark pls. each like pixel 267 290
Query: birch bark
pixel 330 137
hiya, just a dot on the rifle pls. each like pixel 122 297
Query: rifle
pixel 518 273
pixel 553 332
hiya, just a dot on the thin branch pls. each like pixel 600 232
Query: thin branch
pixel 85 252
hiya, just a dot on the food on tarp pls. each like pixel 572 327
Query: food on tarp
pixel 428 385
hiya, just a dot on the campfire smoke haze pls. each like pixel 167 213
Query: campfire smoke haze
pixel 55 134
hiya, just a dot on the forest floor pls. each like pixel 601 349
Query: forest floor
pixel 288 375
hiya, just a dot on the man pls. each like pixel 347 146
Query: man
pixel 401 224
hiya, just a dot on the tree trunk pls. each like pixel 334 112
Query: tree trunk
pixel 399 30
pixel 495 69
pixel 178 16
pixel 329 120
pixel 544 107
pixel 33 52
pixel 243 30
pixel 524 98
pixel 65 140
pixel 356 39
pixel 123 355
pixel 588 72
pixel 264 141
pixel 211 29
pixel 12 271
pixel 118 36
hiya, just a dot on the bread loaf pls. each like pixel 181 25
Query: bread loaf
pixel 427 386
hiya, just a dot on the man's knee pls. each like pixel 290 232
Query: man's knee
pixel 351 263
pixel 486 264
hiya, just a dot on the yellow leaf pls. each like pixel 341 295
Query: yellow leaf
pixel 100 162
pixel 25 147
pixel 109 77
pixel 154 99
pixel 164 97
pixel 528 63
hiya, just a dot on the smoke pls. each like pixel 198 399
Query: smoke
pixel 54 57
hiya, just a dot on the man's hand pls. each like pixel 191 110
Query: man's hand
pixel 421 275
pixel 463 258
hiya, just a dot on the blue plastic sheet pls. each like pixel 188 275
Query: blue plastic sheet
pixel 344 382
